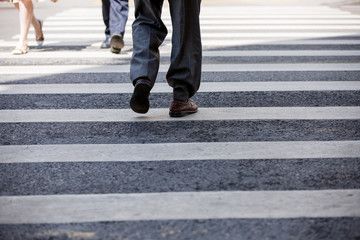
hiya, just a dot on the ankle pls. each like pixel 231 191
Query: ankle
pixel 22 45
pixel 143 81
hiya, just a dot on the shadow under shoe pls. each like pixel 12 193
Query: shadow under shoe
pixel 139 101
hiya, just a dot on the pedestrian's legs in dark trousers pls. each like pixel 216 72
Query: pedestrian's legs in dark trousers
pixel 118 16
pixel 119 10
pixel 115 15
pixel 106 19
pixel 185 70
pixel 149 32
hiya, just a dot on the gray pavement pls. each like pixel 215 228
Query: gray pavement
pixel 267 175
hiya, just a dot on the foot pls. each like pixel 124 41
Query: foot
pixel 181 109
pixel 116 43
pixel 139 102
pixel 40 39
pixel 106 43
pixel 20 50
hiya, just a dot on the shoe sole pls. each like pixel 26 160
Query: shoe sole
pixel 180 114
pixel 117 42
pixel 115 50
pixel 139 102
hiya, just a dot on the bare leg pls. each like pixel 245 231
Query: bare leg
pixel 35 22
pixel 26 15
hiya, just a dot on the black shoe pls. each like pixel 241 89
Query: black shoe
pixel 139 102
pixel 106 43
pixel 116 43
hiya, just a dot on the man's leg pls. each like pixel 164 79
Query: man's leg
pixel 185 70
pixel 148 34
pixel 106 19
pixel 119 10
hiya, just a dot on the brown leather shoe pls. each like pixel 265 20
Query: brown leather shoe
pixel 181 109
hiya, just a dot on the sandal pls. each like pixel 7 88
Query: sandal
pixel 40 40
pixel 20 51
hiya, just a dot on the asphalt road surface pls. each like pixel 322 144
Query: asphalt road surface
pixel 273 153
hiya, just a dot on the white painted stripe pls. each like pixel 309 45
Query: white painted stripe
pixel 234 35
pixel 281 67
pixel 204 15
pixel 86 54
pixel 164 87
pixel 221 13
pixel 280 86
pixel 277 42
pixel 278 35
pixel 50 69
pixel 267 12
pixel 233 10
pixel 232 17
pixel 342 15
pixel 250 53
pixel 217 27
pixel 68 36
pixel 33 43
pixel 278 27
pixel 208 9
pixel 166 53
pixel 278 10
pixel 232 53
pixel 205 43
pixel 179 205
pixel 255 7
pixel 179 151
pixel 161 114
pixel 77 28
pixel 222 22
pixel 74 23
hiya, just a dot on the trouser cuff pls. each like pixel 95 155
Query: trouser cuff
pixel 181 94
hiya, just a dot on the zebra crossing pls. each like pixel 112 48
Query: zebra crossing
pixel 273 152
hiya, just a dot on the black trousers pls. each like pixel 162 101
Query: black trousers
pixel 149 33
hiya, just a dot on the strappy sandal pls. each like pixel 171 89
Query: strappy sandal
pixel 40 40
pixel 20 51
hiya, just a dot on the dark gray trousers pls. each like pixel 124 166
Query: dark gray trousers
pixel 149 32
